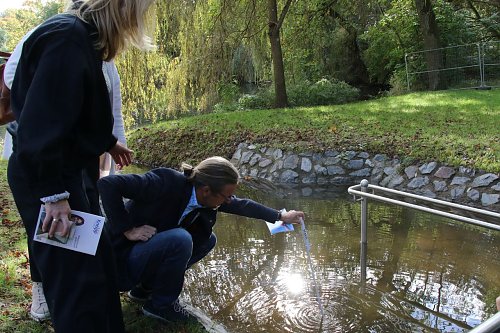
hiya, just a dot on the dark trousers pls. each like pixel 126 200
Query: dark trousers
pixel 80 289
pixel 161 262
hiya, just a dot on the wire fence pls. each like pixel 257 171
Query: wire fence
pixel 455 67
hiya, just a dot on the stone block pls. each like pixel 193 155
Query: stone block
pixel 245 156
pixel 489 199
pixel 418 182
pixel 444 172
pixel 331 153
pixel 306 164
pixel 411 171
pixel 355 164
pixel 457 192
pixel 335 170
pixel 361 173
pixel 440 186
pixel 278 165
pixel 265 162
pixel 484 180
pixel 321 170
pixel 364 155
pixel 427 168
pixel 291 162
pixel 395 181
pixel 289 176
pixel 332 160
pixel 474 195
pixel 390 171
pixel 255 158
pixel 457 180
pixel 380 158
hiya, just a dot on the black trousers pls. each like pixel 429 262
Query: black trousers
pixel 80 289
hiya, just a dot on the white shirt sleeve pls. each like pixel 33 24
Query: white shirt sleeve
pixel 11 66
pixel 116 101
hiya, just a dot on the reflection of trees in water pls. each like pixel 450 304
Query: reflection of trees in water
pixel 424 273
pixel 428 267
pixel 244 251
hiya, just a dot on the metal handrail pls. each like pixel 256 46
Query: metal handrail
pixel 365 186
pixel 489 326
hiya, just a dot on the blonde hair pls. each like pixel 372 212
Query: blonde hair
pixel 120 23
pixel 214 172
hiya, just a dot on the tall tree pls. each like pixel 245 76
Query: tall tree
pixel 430 34
pixel 276 52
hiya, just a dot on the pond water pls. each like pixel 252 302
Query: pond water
pixel 423 273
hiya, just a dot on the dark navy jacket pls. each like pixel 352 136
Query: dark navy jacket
pixel 158 198
pixel 61 103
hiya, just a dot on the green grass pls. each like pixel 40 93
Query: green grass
pixel 456 128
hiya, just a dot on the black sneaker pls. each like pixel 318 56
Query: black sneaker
pixel 173 313
pixel 139 294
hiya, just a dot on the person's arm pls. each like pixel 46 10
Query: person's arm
pixel 113 188
pixel 11 65
pixel 250 208
pixel 116 103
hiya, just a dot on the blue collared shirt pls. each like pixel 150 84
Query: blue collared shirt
pixel 192 205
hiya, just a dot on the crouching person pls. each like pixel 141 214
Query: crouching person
pixel 166 227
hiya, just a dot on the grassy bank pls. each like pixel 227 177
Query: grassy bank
pixel 457 128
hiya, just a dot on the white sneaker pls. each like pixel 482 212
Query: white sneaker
pixel 39 309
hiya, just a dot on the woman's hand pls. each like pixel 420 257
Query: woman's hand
pixel 121 154
pixel 292 216
pixel 57 213
pixel 142 233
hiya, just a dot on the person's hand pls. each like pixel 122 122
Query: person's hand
pixel 142 233
pixel 121 154
pixel 57 213
pixel 292 216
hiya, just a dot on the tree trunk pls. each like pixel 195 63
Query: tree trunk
pixel 430 33
pixel 277 55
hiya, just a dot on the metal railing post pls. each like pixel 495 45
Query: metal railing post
pixel 489 326
pixel 481 68
pixel 364 211
pixel 407 74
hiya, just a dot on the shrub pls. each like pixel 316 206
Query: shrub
pixel 257 101
pixel 322 92
pixel 398 82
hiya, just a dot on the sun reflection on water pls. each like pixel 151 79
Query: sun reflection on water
pixel 294 282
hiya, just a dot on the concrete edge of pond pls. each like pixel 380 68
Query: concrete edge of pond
pixel 210 325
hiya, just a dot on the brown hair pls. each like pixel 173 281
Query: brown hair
pixel 120 23
pixel 214 172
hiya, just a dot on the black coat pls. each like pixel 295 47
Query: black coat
pixel 158 198
pixel 61 103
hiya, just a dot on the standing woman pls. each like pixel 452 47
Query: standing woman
pixel 61 103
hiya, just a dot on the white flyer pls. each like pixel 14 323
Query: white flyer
pixel 83 237
pixel 279 226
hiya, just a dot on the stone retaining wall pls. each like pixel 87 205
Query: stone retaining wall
pixel 334 168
